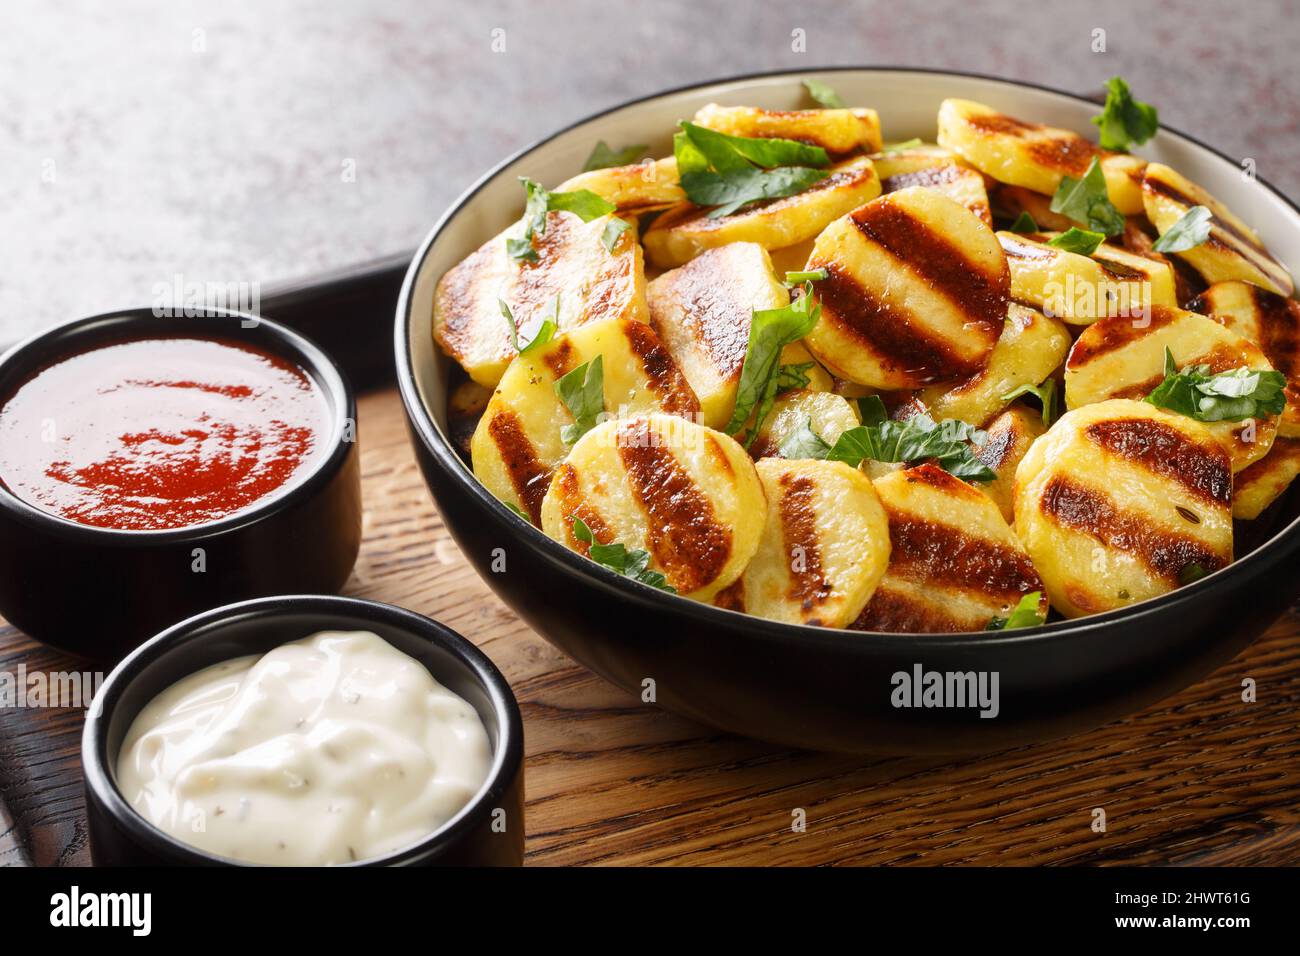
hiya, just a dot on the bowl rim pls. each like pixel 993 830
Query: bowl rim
pixel 283 341
pixel 507 758
pixel 427 431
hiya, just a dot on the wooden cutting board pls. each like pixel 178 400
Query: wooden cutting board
pixel 1202 777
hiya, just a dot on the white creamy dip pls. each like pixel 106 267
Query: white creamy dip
pixel 331 749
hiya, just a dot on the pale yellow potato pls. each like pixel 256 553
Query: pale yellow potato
pixel 1033 155
pixel 1233 250
pixel 1009 438
pixel 1270 321
pixel 1081 289
pixel 954 562
pixel 635 189
pixel 518 441
pixel 916 294
pixel 824 548
pixel 934 168
pixel 1257 487
pixel 837 131
pixel 593 284
pixel 681 233
pixel 1123 358
pixel 703 311
pixel 1122 501
pixel 686 494
pixel 828 414
pixel 1029 350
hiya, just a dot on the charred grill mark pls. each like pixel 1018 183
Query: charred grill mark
pixel 530 477
pixel 718 455
pixel 559 358
pixel 799 533
pixel 935 477
pixel 574 505
pixel 1202 470
pixel 457 298
pixel 939 555
pixel 998 123
pixel 1089 512
pixel 715 310
pixel 932 176
pixel 732 597
pixel 1109 335
pixel 687 542
pixel 1116 270
pixel 1000 446
pixel 894 611
pixel 972 291
pixel 1020 250
pixel 665 379
pixel 1069 154
pixel 1279 327
pixel 1173 193
pixel 901 343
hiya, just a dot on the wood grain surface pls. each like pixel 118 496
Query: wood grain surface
pixel 1201 778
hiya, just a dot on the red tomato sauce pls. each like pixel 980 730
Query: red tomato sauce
pixel 160 433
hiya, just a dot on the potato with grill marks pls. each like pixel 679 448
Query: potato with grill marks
pixel 1259 485
pixel 954 564
pixel 1033 155
pixel 518 441
pixel 824 548
pixel 827 414
pixel 1232 251
pixel 1030 349
pixel 1009 437
pixel 635 189
pixel 1081 289
pixel 1124 358
pixel 681 233
pixel 592 284
pixel 934 168
pixel 686 494
pixel 1122 501
pixel 1270 321
pixel 916 292
pixel 702 312
pixel 838 131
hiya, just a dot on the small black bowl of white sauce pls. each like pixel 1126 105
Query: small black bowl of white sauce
pixel 305 731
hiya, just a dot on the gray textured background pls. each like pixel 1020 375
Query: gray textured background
pixel 209 138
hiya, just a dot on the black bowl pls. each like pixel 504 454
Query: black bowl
pixel 474 837
pixel 810 686
pixel 98 592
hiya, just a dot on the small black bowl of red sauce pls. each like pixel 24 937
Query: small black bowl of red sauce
pixel 154 467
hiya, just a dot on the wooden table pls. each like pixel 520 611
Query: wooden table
pixel 1201 778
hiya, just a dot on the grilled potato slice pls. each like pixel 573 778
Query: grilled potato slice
pixel 1233 250
pixel 681 233
pixel 838 131
pixel 518 443
pixel 1081 289
pixel 1256 487
pixel 824 547
pixel 1009 202
pixel 916 293
pixel 686 494
pixel 1010 435
pixel 702 312
pixel 1270 321
pixel 954 564
pixel 827 414
pixel 639 188
pixel 1029 350
pixel 465 406
pixel 934 168
pixel 1122 501
pixel 592 282
pixel 1122 358
pixel 1033 155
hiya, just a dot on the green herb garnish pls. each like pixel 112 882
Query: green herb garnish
pixel 823 94
pixel 583 203
pixel 1025 614
pixel 1078 240
pixel 583 393
pixel 616 557
pixel 602 157
pixel 517 510
pixel 770 331
pixel 716 169
pixel 613 230
pixel 1124 121
pixel 1231 396
pixel 793 376
pixel 1045 393
pixel 1024 223
pixel 812 275
pixel 1191 229
pixel 1087 202
pixel 545 332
